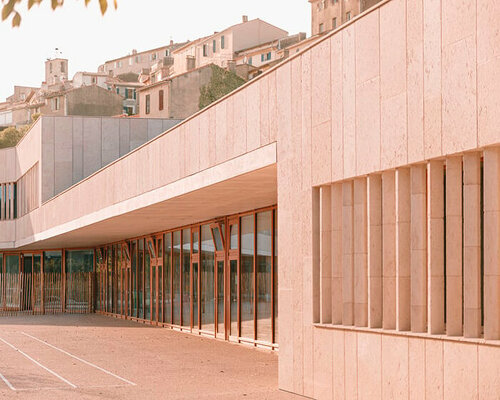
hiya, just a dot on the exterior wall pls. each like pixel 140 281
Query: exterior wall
pixel 93 101
pixel 88 79
pixel 75 148
pixel 407 84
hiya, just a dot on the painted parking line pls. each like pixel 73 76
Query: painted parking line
pixel 3 378
pixel 40 365
pixel 80 359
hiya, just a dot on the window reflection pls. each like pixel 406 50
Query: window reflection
pixel 207 279
pixel 247 283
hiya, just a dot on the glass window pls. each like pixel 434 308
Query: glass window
pixel 233 264
pixel 133 256
pixel 207 279
pixel 222 42
pixel 167 275
pixel 247 278
pixel 12 264
pixel 321 28
pixel 195 295
pixel 220 296
pixel 79 261
pixel 214 46
pixel 217 238
pixel 52 262
pixel 264 276
pixel 186 277
pixel 148 103
pixel 196 238
pixel 233 236
pixel 176 268
pixel 140 277
pixel 147 285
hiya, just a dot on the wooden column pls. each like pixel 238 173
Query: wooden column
pixel 389 249
pixel 418 249
pixel 360 253
pixel 492 243
pixel 454 246
pixel 347 254
pixel 472 245
pixel 435 247
pixel 375 251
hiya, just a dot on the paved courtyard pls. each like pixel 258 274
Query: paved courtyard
pixel 94 357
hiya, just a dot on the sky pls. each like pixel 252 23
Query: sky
pixel 88 39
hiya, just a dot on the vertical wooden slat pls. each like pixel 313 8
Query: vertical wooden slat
pixel 472 245
pixel 492 243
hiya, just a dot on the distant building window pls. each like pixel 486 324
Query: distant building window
pixel 56 104
pixel 130 61
pixel 214 46
pixel 148 103
pixel 50 67
pixel 167 53
pixel 268 56
pixel 94 79
pixel 250 61
pixel 262 58
pixel 222 42
pixel 62 67
pixel 348 16
pixel 205 50
pixel 137 59
pixel 321 28
pixel 334 23
pixel 160 100
pixel 117 90
pixel 153 56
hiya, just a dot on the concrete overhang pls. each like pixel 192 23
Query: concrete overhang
pixel 243 183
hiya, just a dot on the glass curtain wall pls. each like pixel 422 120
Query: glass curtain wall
pixel 167 263
pixel 247 276
pixel 264 276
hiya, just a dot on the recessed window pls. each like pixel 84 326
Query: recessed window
pixel 214 46
pixel 334 23
pixel 160 100
pixel 348 16
pixel 250 61
pixel 63 67
pixel 205 50
pixel 321 28
pixel 222 42
pixel 167 52
pixel 56 103
pixel 148 104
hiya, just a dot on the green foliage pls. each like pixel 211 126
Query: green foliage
pixel 9 7
pixel 34 117
pixel 11 136
pixel 221 83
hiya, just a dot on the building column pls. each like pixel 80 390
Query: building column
pixel 472 245
pixel 454 246
pixel 435 247
pixel 375 251
pixel 347 254
pixel 389 249
pixel 492 243
pixel 403 249
pixel 360 254
pixel 325 255
pixel 418 249
pixel 336 253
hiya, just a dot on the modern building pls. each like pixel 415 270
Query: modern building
pixel 330 14
pixel 342 208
